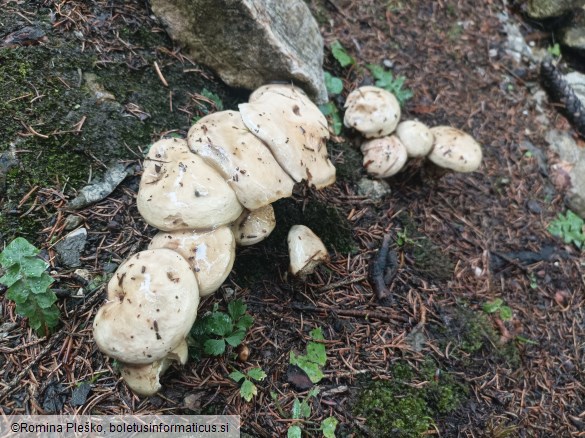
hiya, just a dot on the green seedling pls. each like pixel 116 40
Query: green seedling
pixel 301 410
pixel 248 388
pixel 28 284
pixel 498 306
pixel 216 330
pixel 334 87
pixel 214 103
pixel 554 50
pixel 316 357
pixel 387 81
pixel 568 227
pixel 340 54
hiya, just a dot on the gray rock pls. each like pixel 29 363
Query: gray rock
pixel 69 249
pixel 250 42
pixel 577 81
pixel 99 190
pixel 373 188
pixel 571 169
pixel 551 8
pixel 72 221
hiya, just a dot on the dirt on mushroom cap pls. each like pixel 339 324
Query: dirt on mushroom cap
pixel 152 304
pixel 296 132
pixel 246 163
pixel 179 191
pixel 211 254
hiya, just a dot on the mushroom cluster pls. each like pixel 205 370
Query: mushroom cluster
pixel 375 113
pixel 207 194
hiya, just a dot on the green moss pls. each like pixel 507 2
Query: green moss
pixel 43 87
pixel 472 334
pixel 397 408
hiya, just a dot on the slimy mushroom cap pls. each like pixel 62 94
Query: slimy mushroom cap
pixel 241 158
pixel 210 254
pixel 455 150
pixel 296 132
pixel 179 191
pixel 372 111
pixel 416 138
pixel 384 157
pixel 152 304
pixel 254 226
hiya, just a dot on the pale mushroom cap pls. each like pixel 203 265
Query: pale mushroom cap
pixel 296 132
pixel 211 254
pixel 144 380
pixel 152 304
pixel 372 111
pixel 178 190
pixel 241 158
pixel 384 157
pixel 287 90
pixel 305 249
pixel 454 149
pixel 254 226
pixel 416 137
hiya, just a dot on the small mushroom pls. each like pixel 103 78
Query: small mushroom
pixel 455 150
pixel 294 129
pixel 244 161
pixel 179 191
pixel 384 157
pixel 152 304
pixel 372 111
pixel 306 250
pixel 211 254
pixel 416 138
pixel 254 226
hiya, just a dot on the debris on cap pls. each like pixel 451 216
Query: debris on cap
pixel 455 150
pixel 384 157
pixel 372 111
pixel 295 130
pixel 243 160
pixel 179 191
pixel 210 254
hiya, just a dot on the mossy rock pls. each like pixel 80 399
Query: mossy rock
pixel 76 130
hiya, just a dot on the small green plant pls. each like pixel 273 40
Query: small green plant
pixel 498 306
pixel 211 102
pixel 387 81
pixel 301 410
pixel 554 50
pixel 248 388
pixel 340 54
pixel 316 357
pixel 568 227
pixel 403 239
pixel 28 284
pixel 334 87
pixel 216 330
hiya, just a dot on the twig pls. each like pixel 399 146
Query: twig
pixel 383 269
pixel 160 75
pixel 342 283
pixel 366 314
